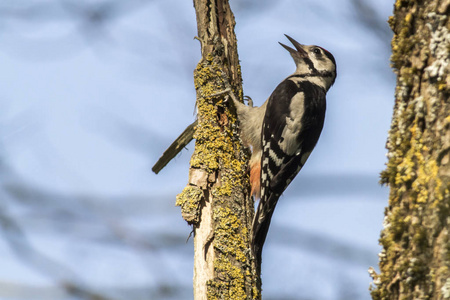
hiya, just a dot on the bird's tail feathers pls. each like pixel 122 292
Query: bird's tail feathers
pixel 261 224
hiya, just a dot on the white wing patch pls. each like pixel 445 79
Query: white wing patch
pixel 289 142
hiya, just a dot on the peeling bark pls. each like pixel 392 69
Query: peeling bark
pixel 415 259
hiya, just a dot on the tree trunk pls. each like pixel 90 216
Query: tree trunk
pixel 415 260
pixel 217 200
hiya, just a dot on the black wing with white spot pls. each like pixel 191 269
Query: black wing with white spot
pixel 292 125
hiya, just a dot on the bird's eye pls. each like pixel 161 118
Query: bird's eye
pixel 317 51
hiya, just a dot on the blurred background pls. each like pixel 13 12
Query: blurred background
pixel 93 91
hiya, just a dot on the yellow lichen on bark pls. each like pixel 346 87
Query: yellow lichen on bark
pixel 222 156
pixel 190 201
pixel 231 242
pixel 216 146
pixel 415 259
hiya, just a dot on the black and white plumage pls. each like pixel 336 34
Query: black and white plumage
pixel 284 130
pixel 291 127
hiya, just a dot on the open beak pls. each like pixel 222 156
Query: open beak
pixel 299 52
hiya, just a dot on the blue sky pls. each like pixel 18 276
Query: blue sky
pixel 88 110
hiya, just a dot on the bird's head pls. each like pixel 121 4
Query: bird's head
pixel 313 61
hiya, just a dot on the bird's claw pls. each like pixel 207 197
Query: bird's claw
pixel 249 100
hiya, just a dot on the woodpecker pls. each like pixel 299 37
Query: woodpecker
pixel 284 130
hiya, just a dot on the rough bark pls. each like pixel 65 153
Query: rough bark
pixel 217 200
pixel 415 259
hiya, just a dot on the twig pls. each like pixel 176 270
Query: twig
pixel 181 142
pixel 187 135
